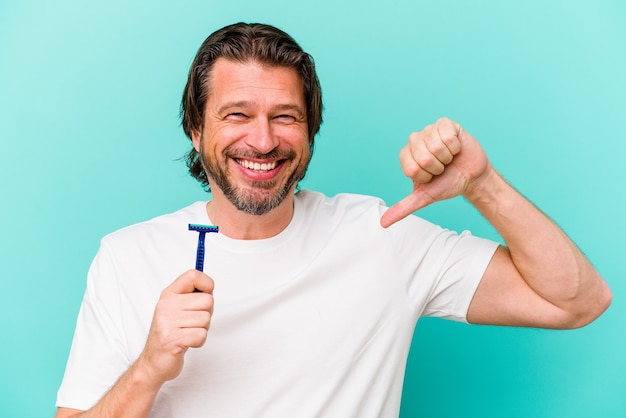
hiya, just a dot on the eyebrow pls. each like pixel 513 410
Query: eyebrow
pixel 228 105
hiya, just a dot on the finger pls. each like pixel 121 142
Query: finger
pixel 423 156
pixel 192 337
pixel 197 301
pixel 404 208
pixel 449 134
pixel 191 280
pixel 175 311
pixel 171 320
pixel 440 147
pixel 412 169
pixel 193 319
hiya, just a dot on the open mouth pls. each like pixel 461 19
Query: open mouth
pixel 256 166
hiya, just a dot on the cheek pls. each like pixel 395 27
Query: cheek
pixel 228 136
pixel 296 137
pixel 216 138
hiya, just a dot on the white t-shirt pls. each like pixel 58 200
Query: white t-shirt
pixel 316 321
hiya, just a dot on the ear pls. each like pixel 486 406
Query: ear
pixel 195 139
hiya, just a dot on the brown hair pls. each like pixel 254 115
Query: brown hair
pixel 246 42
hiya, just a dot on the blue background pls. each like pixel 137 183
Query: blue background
pixel 90 142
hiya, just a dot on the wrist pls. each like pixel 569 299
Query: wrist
pixel 485 189
pixel 144 377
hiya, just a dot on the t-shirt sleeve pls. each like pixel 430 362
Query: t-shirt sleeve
pixel 97 356
pixel 461 266
pixel 443 268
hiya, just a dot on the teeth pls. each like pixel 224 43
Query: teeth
pixel 257 166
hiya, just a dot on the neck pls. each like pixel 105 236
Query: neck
pixel 237 224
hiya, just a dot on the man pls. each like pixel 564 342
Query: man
pixel 315 298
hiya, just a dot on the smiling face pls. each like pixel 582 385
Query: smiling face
pixel 254 143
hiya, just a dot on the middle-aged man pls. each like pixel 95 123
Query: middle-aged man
pixel 315 298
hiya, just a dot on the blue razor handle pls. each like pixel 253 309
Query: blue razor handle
pixel 202 230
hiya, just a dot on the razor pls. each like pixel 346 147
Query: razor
pixel 202 230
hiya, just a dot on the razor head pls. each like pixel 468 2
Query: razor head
pixel 203 228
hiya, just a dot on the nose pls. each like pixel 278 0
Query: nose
pixel 261 137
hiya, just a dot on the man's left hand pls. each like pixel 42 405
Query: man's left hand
pixel 443 161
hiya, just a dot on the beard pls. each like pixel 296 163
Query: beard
pixel 260 197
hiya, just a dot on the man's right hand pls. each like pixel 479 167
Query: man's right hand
pixel 181 320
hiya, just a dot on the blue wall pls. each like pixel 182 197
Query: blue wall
pixel 90 137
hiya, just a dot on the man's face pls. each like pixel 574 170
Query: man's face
pixel 254 144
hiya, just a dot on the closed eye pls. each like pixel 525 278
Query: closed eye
pixel 236 116
pixel 286 118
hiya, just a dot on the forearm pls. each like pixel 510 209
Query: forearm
pixel 131 396
pixel 545 257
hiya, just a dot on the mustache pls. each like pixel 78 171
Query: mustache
pixel 275 154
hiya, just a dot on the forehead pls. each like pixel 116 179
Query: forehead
pixel 231 80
